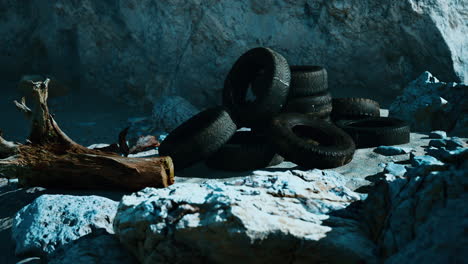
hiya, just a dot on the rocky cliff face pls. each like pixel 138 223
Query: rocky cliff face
pixel 137 51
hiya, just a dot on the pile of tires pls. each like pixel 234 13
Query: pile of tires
pixel 289 111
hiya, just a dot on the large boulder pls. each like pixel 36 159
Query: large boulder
pixel 422 216
pixel 137 51
pixel 428 104
pixel 291 216
pixel 52 221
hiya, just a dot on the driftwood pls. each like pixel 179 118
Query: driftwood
pixel 51 159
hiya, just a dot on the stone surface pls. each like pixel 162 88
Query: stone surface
pixel 392 150
pixel 428 104
pixel 171 111
pixel 458 155
pixel 438 134
pixel 395 169
pixel 422 218
pixel 55 220
pixel 425 161
pixel 139 50
pixel 454 143
pixel 98 247
pixel 438 143
pixel 278 216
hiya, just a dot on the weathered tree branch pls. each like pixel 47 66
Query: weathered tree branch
pixel 52 159
pixel 23 108
pixel 7 148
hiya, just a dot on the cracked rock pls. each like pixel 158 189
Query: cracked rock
pixel 422 217
pixel 279 218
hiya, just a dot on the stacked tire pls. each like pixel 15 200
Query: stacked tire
pixel 288 112
pixel 308 92
pixel 211 135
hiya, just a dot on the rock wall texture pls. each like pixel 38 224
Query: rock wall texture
pixel 428 104
pixel 137 51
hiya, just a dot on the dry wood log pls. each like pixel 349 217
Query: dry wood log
pixel 52 159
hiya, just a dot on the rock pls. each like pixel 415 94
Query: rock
pixel 425 161
pixel 421 218
pixel 280 217
pixel 55 220
pixel 438 143
pixel 454 143
pixel 395 169
pixel 428 104
pixel 419 208
pixel 391 150
pixel 171 111
pixel 438 134
pixel 151 48
pixel 458 155
pixel 97 247
pixel 422 165
pixel 450 144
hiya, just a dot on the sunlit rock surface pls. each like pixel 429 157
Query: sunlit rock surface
pixel 291 216
pixel 55 220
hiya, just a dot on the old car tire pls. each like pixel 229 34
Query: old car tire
pixel 311 143
pixel 318 105
pixel 199 137
pixel 307 80
pixel 245 151
pixel 268 72
pixel 354 108
pixel 376 131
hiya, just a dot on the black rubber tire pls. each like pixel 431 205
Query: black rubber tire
pixel 245 151
pixel 268 73
pixel 376 131
pixel 354 108
pixel 319 105
pixel 199 137
pixel 307 80
pixel 322 145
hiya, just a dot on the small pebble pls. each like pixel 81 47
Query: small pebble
pixel 395 169
pixel 438 143
pixel 438 134
pixel 425 161
pixel 390 150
